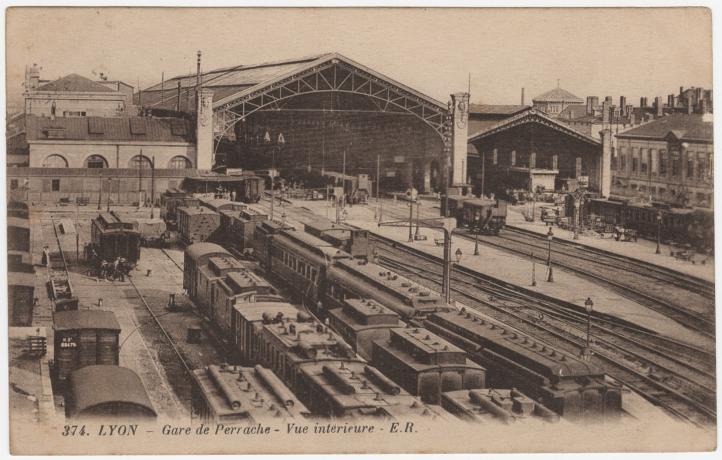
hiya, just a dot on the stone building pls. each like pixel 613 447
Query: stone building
pixel 669 160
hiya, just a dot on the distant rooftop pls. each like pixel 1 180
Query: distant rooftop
pixel 692 127
pixel 558 95
pixel 75 83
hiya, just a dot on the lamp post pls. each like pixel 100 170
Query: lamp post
pixel 100 189
pixel 417 234
pixel 476 237
pixel 589 305
pixel 110 183
pixel 550 237
pixel 659 231
pixel 411 220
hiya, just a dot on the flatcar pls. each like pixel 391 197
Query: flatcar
pixel 107 392
pixel 354 241
pixel 574 389
pixel 113 237
pixel 680 225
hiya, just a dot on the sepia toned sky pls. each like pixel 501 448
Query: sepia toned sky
pixel 631 52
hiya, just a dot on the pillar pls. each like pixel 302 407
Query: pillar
pixel 427 177
pixel 460 122
pixel 605 169
pixel 204 129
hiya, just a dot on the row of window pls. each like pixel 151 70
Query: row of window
pixel 97 161
pixel 298 265
pixel 532 159
pixel 645 161
pixel 661 193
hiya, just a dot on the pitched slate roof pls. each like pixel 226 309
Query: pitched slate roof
pixel 145 129
pixel 691 127
pixel 76 84
pixel 557 95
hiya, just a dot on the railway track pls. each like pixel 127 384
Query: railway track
pixel 684 388
pixel 680 297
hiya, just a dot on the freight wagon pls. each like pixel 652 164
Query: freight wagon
pixel 197 224
pixel 84 338
pixel 113 237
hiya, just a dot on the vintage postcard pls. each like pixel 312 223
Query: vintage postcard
pixel 360 230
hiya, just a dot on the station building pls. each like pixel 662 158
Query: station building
pixel 531 149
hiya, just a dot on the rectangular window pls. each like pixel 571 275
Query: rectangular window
pixel 662 162
pixel 513 157
pixel 13 184
pixel 690 167
pixel 635 164
pixel 654 162
pixel 495 157
pixel 701 166
pixel 675 167
pixel 643 159
pixel 56 185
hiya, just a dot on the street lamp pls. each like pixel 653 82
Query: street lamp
pixel 659 230
pixel 589 305
pixel 417 234
pixel 411 220
pixel 476 236
pixel 550 237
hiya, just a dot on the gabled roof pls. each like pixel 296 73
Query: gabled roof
pixel 145 129
pixel 75 83
pixel 557 95
pixel 532 116
pixel 573 112
pixel 233 82
pixel 689 127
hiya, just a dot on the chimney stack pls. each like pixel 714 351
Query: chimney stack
pixel 629 111
pixel 681 90
pixel 703 106
pixel 670 100
pixel 643 102
pixel 522 96
pixel 690 108
pixel 605 111
pixel 590 106
pixel 632 117
pixel 623 105
pixel 658 106
pixel 198 71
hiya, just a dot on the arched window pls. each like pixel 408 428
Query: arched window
pixel 139 161
pixel 95 161
pixel 55 161
pixel 179 162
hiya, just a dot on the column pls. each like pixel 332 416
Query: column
pixel 460 122
pixel 605 162
pixel 204 129
pixel 427 177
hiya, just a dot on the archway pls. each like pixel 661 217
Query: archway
pixel 139 161
pixel 179 162
pixel 95 162
pixel 55 161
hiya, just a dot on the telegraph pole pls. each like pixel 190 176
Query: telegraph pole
pixel 152 186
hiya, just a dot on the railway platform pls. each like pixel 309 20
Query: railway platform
pixel 641 249
pixel 508 267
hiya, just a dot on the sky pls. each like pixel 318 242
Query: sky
pixel 602 52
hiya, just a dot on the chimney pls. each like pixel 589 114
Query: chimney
pixel 703 106
pixel 522 96
pixel 632 116
pixel 623 105
pixel 681 90
pixel 198 71
pixel 690 108
pixel 658 106
pixel 643 102
pixel 670 100
pixel 590 106
pixel 605 111
pixel 628 110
